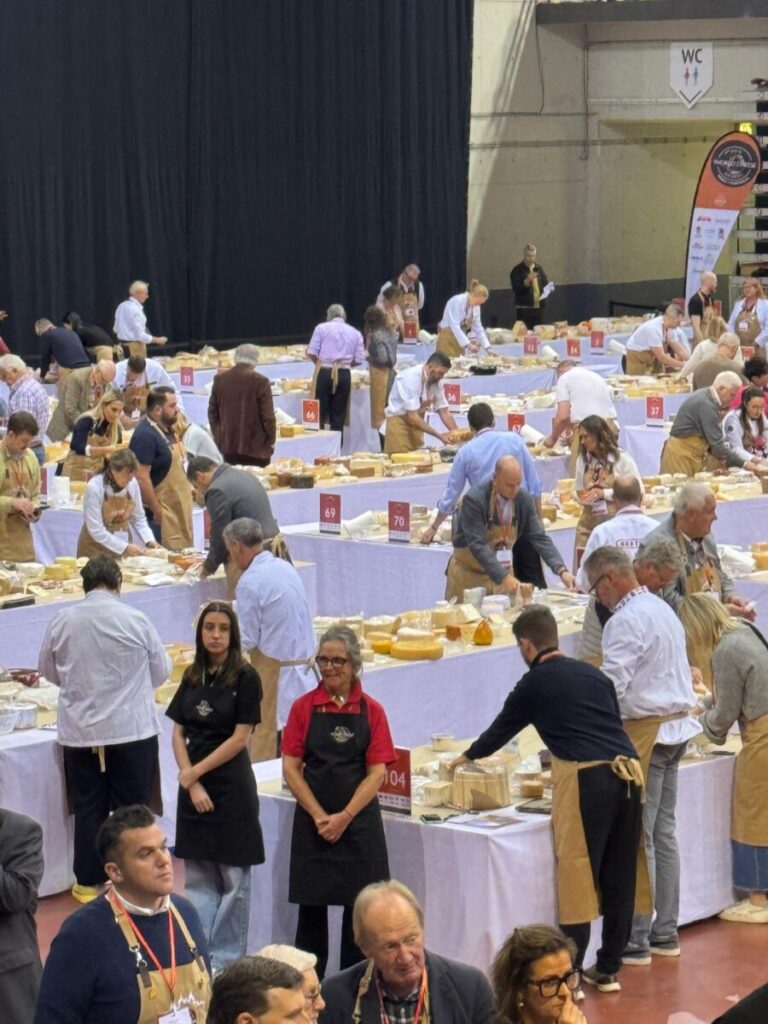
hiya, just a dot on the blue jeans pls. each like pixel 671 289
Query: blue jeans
pixel 661 851
pixel 221 895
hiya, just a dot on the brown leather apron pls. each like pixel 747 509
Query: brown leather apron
pixel 409 304
pixel 82 467
pixel 684 455
pixel 749 818
pixel 381 383
pixel 264 736
pixel 748 328
pixel 116 511
pixel 193 984
pixel 446 339
pixel 400 435
pixel 596 474
pixel 135 396
pixel 136 348
pixel 17 480
pixel 642 364
pixel 175 497
pixel 61 380
pixel 464 571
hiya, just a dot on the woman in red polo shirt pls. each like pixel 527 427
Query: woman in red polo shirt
pixel 336 746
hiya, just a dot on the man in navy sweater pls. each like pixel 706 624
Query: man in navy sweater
pixel 136 953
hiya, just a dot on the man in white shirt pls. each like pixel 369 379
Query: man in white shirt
pixel 625 531
pixel 131 321
pixel 107 659
pixel 644 653
pixel 411 301
pixel 579 393
pixel 275 627
pixel 414 392
pixel 136 377
pixel 658 344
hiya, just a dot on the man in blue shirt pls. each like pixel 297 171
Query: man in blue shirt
pixel 474 466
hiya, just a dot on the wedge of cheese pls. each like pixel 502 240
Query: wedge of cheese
pixel 416 650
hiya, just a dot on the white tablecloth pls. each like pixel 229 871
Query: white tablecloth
pixel 644 444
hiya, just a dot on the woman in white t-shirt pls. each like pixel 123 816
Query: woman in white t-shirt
pixel 746 428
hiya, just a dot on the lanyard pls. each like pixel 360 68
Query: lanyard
pixel 171 984
pixel 15 470
pixel 420 1003
pixel 594 466
pixel 505 522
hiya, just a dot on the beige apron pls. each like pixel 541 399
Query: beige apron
pixel 334 383
pixel 175 497
pixel 99 352
pixel 116 511
pixel 135 398
pixel 701 580
pixel 193 984
pixel 577 896
pixel 409 304
pixel 18 480
pixel 684 455
pixel 136 348
pixel 748 335
pixel 641 364
pixel 749 819
pixel 464 571
pixel 83 467
pixel 446 343
pixel 61 380
pixel 381 384
pixel 596 474
pixel 264 737
pixel 400 436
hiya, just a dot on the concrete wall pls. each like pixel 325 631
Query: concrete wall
pixel 578 144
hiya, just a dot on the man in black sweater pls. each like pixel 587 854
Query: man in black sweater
pixel 61 346
pixel 597 786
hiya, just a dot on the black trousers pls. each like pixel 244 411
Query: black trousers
pixel 130 770
pixel 312 935
pixel 612 816
pixel 333 406
pixel 530 315
pixel 526 564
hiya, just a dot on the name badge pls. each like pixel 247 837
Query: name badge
pixel 181 1016
pixel 743 326
pixel 504 557
pixel 599 508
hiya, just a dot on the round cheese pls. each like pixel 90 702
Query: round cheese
pixel 416 650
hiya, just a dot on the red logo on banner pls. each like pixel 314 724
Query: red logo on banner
pixel 187 376
pixel 515 421
pixel 530 344
pixel 452 395
pixel 573 348
pixel 310 413
pixel 654 411
pixel 399 521
pixel 395 791
pixel 597 341
pixel 330 513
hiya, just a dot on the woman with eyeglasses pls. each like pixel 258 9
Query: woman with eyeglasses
pixel 534 979
pixel 336 747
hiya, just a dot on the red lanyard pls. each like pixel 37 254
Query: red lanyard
pixel 150 952
pixel 504 523
pixel 419 1004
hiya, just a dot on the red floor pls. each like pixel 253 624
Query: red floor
pixel 721 962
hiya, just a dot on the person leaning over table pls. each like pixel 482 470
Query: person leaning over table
pixel 596 787
pixel 700 306
pixel 417 390
pixel 335 347
pixel 534 979
pixel 707 348
pixel 112 504
pixel 83 389
pixel 130 325
pixel 136 377
pixel 305 964
pixel 336 746
pixel 165 491
pixel 486 526
pixel 62 346
pixel 749 316
pixel 746 429
pixel 106 658
pixel 26 394
pixel 412 297
pixel 97 434
pixel 21 871
pixel 739 661
pixel 697 433
pixel 658 344
pixel 218 835
pixel 381 347
pixel 528 281
pixel 276 627
pixel 722 359
pixel 19 489
pixel 97 342
pixel 400 980
pixel 579 393
pixel 461 331
pixel 645 656
pixel 599 462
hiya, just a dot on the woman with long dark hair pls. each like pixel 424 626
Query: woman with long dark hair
pixel 598 463
pixel 534 979
pixel 746 428
pixel 218 834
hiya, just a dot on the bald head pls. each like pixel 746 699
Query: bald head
pixel 627 490
pixel 507 476
pixel 105 369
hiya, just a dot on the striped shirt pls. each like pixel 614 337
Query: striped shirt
pixel 29 395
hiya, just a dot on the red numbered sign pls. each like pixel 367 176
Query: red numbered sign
pixel 409 330
pixel 747 352
pixel 399 521
pixel 395 791
pixel 654 411
pixel 330 513
pixel 453 395
pixel 530 344
pixel 597 341
pixel 187 376
pixel 206 526
pixel 515 421
pixel 573 348
pixel 310 413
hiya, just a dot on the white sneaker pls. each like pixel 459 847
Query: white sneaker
pixel 746 913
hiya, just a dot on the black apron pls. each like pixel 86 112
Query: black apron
pixel 324 874
pixel 230 833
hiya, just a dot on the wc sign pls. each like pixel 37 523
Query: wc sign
pixel 691 70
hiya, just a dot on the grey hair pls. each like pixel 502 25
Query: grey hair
pixel 673 310
pixel 661 553
pixel 245 531
pixel 299 959
pixel 608 559
pixel 12 362
pixel 334 310
pixel 247 354
pixel 136 285
pixel 727 379
pixel 692 497
pixel 42 322
pixel 529 247
pixel 376 891
pixel 348 637
pixel 728 340
pixel 565 364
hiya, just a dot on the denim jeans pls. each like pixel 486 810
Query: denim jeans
pixel 221 895
pixel 661 850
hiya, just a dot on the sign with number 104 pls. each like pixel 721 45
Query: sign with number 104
pixel 395 792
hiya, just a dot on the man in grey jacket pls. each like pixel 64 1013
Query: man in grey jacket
pixel 21 869
pixel 486 526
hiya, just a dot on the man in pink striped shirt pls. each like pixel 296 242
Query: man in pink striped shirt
pixel 26 394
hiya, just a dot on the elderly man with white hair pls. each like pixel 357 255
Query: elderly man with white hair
pixel 334 348
pixel 131 321
pixel 83 389
pixel 697 433
pixel 658 344
pixel 411 300
pixel 723 359
pixel 241 412
pixel 706 349
pixel 700 304
pixel 305 963
pixel 26 394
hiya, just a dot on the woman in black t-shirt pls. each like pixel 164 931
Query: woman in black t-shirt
pixel 218 834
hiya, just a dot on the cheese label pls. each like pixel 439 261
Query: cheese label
pixel 399 521
pixel 395 792
pixel 654 411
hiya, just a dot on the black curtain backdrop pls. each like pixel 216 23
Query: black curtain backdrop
pixel 254 160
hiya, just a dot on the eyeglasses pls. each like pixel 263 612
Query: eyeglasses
pixel 324 662
pixel 312 997
pixel 593 589
pixel 549 987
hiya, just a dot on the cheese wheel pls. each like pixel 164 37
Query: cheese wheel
pixel 57 572
pixel 761 559
pixel 411 458
pixel 381 643
pixel 416 650
pixel 532 788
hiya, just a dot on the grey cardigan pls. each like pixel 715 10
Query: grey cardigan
pixel 740 674
pixel 674 592
pixel 701 415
